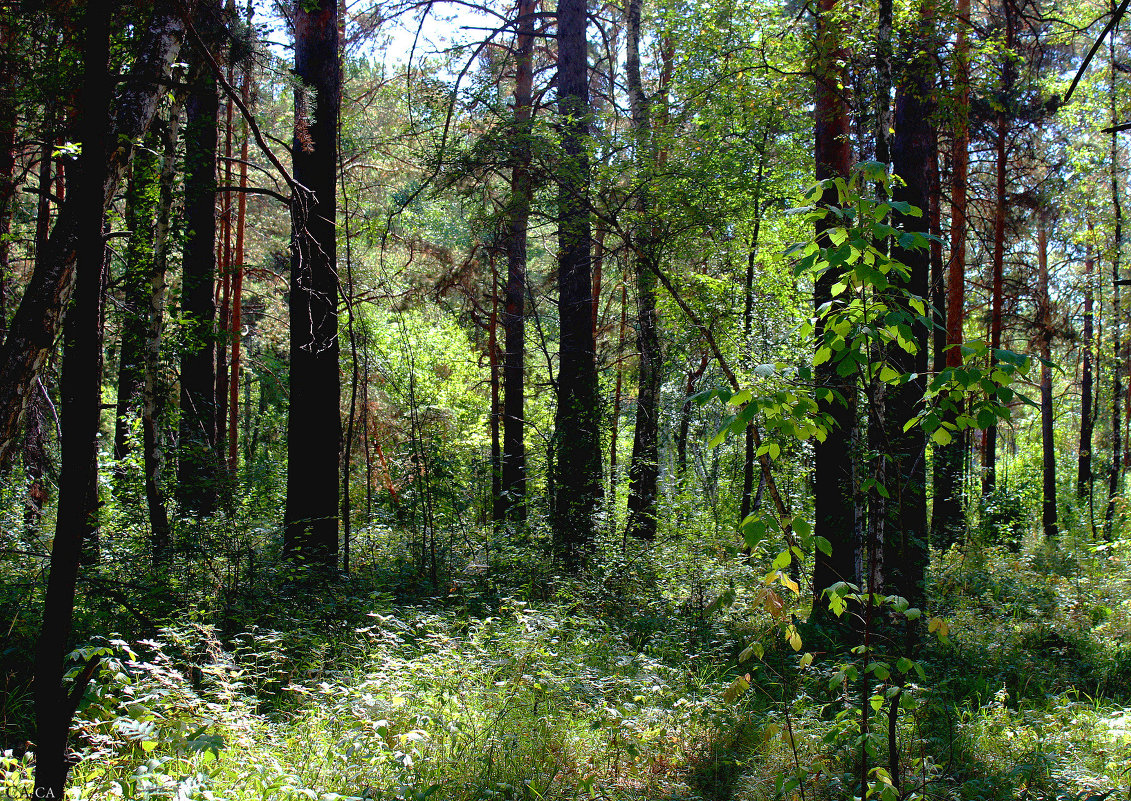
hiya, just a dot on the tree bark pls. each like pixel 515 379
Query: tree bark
pixel 9 121
pixel 39 317
pixel 913 149
pixel 833 492
pixel 82 361
pixel 1087 401
pixel 948 520
pixel 514 308
pixel 1116 326
pixel 644 468
pixel 577 446
pixel 1044 329
pixel 154 388
pixel 198 469
pixel 1001 127
pixel 142 200
pixel 313 418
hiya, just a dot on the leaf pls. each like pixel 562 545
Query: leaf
pixel 793 638
pixel 941 436
pixel 807 660
pixel 737 687
pixel 782 561
pixel 904 664
pixel 823 545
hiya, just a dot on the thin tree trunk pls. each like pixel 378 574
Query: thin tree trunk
pixel 617 389
pixel 82 348
pixel 8 124
pixel 1084 466
pixel 142 199
pixel 948 520
pixel 1044 327
pixel 1116 326
pixel 644 468
pixel 223 322
pixel 1001 126
pixel 313 420
pixel 514 310
pixel 39 317
pixel 498 501
pixel 237 284
pixel 155 389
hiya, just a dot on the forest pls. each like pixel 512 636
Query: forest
pixel 509 400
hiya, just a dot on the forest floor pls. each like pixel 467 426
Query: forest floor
pixel 479 696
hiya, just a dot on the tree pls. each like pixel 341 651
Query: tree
pixel 577 446
pixel 513 461
pixel 833 490
pixel 644 469
pixel 313 417
pixel 81 386
pixel 39 317
pixel 948 519
pixel 198 467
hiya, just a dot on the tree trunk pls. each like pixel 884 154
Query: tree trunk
pixel 948 520
pixel 35 453
pixel 989 459
pixel 577 446
pixel 142 199
pixel 237 283
pixel 82 361
pixel 644 468
pixel 1084 466
pixel 313 418
pixel 39 317
pixel 1116 328
pixel 833 494
pixel 154 388
pixel 514 307
pixel 913 149
pixel 198 470
pixel 8 123
pixel 1044 328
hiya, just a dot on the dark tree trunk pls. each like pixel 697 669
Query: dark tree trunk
pixel 833 493
pixel 39 317
pixel 313 419
pixel 35 453
pixel 514 307
pixel 913 149
pixel 198 469
pixel 577 446
pixel 142 199
pixel 154 389
pixel 1116 329
pixel 82 361
pixel 1044 330
pixel 237 284
pixel 617 393
pixel 948 520
pixel 8 124
pixel 1087 400
pixel 644 468
pixel 989 458
pixel 693 376
pixel 498 501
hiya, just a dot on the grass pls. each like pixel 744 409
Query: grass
pixel 612 691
